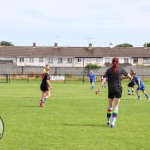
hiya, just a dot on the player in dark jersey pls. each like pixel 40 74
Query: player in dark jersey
pixel 45 85
pixel 131 84
pixel 114 90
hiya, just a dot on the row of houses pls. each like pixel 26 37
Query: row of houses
pixel 73 56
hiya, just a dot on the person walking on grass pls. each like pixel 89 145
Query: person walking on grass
pixel 140 84
pixel 114 75
pixel 92 79
pixel 45 85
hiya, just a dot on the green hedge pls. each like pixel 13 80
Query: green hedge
pixel 92 66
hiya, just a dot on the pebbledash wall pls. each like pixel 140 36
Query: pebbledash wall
pixel 9 69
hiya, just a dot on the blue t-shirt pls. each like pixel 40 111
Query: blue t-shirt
pixel 92 77
pixel 136 78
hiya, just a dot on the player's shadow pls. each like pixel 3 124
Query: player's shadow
pixel 125 99
pixel 29 106
pixel 84 125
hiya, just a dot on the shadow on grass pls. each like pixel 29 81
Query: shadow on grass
pixel 85 125
pixel 30 106
pixel 129 99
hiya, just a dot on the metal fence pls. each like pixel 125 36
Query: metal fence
pixel 36 78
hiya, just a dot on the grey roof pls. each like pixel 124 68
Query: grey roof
pixel 28 51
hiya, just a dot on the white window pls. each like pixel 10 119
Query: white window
pixel 69 60
pixel 107 60
pixel 98 60
pixel 31 60
pixel 88 60
pixel 79 60
pixel 49 60
pixel 60 60
pixel 126 60
pixel 135 60
pixel 41 60
pixel 21 59
pixel 146 60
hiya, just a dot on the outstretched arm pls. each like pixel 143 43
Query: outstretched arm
pixel 101 85
pixel 130 76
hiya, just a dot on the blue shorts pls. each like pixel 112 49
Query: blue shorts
pixel 91 81
pixel 142 88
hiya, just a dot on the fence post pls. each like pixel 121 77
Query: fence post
pixel 6 78
pixel 28 78
pixel 83 79
pixel 9 78
pixel 65 79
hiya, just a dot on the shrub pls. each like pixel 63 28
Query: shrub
pixel 92 66
pixel 68 75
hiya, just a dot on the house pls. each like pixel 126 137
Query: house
pixel 73 56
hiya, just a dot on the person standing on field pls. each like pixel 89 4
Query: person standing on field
pixel 45 85
pixel 114 75
pixel 92 79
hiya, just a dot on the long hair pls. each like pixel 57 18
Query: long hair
pixel 115 62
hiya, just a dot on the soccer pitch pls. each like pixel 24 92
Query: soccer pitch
pixel 74 118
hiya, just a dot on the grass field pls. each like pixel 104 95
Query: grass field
pixel 74 118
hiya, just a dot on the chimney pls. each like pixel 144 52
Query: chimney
pixel 34 45
pixel 55 45
pixel 145 46
pixel 90 47
pixel 111 45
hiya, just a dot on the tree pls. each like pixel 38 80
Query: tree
pixel 124 45
pixel 147 45
pixel 6 43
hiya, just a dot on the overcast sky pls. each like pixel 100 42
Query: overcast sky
pixel 72 22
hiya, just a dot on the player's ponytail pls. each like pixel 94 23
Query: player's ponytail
pixel 115 62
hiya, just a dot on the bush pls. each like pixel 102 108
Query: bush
pixel 92 66
pixel 68 75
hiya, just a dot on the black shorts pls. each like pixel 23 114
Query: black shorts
pixel 44 88
pixel 115 94
pixel 131 84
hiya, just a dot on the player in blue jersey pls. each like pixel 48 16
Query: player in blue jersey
pixel 92 79
pixel 140 84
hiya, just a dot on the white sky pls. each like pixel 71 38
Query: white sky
pixel 117 21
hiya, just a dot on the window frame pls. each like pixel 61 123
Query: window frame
pixel 60 60
pixel 126 60
pixel 21 59
pixel 31 60
pixel 147 60
pixel 41 60
pixel 68 60
pixel 79 58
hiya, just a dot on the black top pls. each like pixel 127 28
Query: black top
pixel 114 79
pixel 45 77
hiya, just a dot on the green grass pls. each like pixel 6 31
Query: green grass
pixel 74 118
